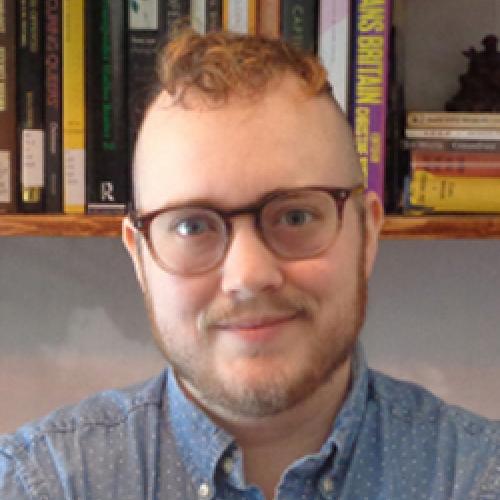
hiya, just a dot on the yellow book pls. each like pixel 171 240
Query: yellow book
pixel 240 16
pixel 439 193
pixel 73 107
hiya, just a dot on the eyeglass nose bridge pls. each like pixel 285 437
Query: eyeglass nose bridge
pixel 255 212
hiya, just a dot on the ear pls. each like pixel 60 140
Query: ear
pixel 132 241
pixel 374 217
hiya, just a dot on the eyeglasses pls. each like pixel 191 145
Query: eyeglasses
pixel 294 224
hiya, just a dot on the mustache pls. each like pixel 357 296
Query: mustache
pixel 260 306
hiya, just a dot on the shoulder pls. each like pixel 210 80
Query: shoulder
pixel 107 409
pixel 418 423
pixel 408 401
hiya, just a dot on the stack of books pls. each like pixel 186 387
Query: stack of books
pixel 454 162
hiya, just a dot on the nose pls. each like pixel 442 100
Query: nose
pixel 249 267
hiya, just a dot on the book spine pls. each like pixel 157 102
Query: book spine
pixel 213 15
pixel 151 23
pixel 333 45
pixel 299 23
pixel 240 16
pixel 8 125
pixel 53 107
pixel 439 193
pixel 450 133
pixel 269 18
pixel 451 145
pixel 30 100
pixel 451 164
pixel 430 119
pixel 106 131
pixel 199 16
pixel 177 14
pixel 73 107
pixel 142 40
pixel 370 80
pixel 455 157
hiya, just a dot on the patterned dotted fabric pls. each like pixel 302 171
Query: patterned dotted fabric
pixel 391 440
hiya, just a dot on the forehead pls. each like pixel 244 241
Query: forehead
pixel 234 153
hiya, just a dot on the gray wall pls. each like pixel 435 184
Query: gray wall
pixel 72 321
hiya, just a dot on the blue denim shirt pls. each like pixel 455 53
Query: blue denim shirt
pixel 391 440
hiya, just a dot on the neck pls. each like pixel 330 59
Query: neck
pixel 271 444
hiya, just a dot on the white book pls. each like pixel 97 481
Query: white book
pixel 333 47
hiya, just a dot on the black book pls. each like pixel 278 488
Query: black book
pixel 53 106
pixel 106 107
pixel 299 23
pixel 30 104
pixel 213 15
pixel 150 25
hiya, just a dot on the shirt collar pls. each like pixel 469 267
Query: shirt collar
pixel 352 413
pixel 202 443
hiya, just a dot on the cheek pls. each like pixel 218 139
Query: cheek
pixel 176 300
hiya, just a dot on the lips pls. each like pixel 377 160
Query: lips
pixel 256 328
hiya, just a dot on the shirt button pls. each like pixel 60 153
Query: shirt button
pixel 326 486
pixel 204 491
pixel 228 465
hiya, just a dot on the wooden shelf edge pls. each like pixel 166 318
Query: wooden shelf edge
pixel 60 225
pixel 442 227
pixel 395 227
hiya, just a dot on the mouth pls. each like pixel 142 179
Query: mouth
pixel 256 328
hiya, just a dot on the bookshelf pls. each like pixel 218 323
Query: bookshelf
pixel 428 82
pixel 395 227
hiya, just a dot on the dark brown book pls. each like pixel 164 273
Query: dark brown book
pixel 8 169
pixel 299 23
pixel 53 106
pixel 30 104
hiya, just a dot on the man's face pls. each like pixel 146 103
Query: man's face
pixel 257 334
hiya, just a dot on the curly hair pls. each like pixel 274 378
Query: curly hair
pixel 220 64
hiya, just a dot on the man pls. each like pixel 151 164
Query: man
pixel 253 239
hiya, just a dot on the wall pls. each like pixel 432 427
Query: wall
pixel 72 321
pixel 433 35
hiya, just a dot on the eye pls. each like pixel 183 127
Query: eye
pixel 296 217
pixel 192 226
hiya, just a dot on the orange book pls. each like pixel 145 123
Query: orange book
pixel 461 163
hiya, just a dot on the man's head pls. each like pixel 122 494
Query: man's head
pixel 253 313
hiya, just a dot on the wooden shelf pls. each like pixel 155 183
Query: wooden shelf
pixel 395 227
pixel 60 225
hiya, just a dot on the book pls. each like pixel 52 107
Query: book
pixel 430 193
pixel 240 16
pixel 451 145
pixel 464 120
pixel 106 108
pixel 269 18
pixel 53 106
pixel 368 106
pixel 8 124
pixel 30 104
pixel 206 15
pixel 456 163
pixel 479 134
pixel 299 23
pixel 213 15
pixel 73 106
pixel 333 46
pixel 151 23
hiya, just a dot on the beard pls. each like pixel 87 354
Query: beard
pixel 280 386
